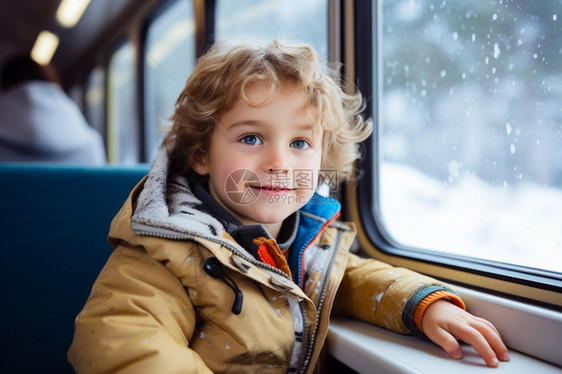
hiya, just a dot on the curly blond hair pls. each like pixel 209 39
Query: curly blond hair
pixel 222 76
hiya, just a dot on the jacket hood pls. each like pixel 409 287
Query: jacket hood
pixel 167 207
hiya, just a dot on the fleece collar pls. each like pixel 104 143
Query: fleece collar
pixel 167 207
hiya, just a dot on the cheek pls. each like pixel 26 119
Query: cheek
pixel 315 161
pixel 310 168
pixel 233 161
pixel 226 167
pixel 319 165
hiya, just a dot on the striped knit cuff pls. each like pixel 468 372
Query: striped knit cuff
pixel 429 299
pixel 416 306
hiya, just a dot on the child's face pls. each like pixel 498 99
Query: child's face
pixel 263 162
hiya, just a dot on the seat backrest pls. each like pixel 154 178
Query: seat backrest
pixel 54 222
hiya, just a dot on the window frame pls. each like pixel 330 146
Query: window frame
pixel 538 286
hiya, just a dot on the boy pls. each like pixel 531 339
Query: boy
pixel 225 258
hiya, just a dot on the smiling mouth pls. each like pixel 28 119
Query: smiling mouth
pixel 272 188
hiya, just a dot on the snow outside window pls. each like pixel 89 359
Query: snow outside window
pixel 470 128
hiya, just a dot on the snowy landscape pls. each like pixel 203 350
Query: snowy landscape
pixel 469 128
pixel 521 225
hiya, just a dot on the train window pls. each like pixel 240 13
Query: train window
pixel 286 20
pixel 123 136
pixel 168 61
pixel 94 99
pixel 469 135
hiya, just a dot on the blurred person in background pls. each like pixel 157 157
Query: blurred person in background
pixel 39 122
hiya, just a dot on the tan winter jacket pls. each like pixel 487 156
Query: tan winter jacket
pixel 154 309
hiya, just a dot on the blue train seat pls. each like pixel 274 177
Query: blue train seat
pixel 53 227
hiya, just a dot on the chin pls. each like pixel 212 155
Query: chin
pixel 268 218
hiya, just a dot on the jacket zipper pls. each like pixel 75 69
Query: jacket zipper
pixel 311 342
pixel 321 300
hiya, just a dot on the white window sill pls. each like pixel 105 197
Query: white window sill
pixel 368 349
pixel 529 329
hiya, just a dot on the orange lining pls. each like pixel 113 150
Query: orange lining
pixel 270 254
pixel 265 256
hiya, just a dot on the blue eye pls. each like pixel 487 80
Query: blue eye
pixel 300 144
pixel 250 140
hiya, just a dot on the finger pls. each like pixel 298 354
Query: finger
pixel 493 338
pixel 487 323
pixel 478 341
pixel 446 341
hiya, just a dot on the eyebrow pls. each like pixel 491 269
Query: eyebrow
pixel 255 123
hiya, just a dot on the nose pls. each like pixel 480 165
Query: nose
pixel 276 160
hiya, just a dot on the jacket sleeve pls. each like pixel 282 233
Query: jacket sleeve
pixel 138 319
pixel 387 296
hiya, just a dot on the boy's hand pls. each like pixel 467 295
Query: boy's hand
pixel 444 324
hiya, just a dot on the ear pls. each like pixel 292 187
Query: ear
pixel 200 163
